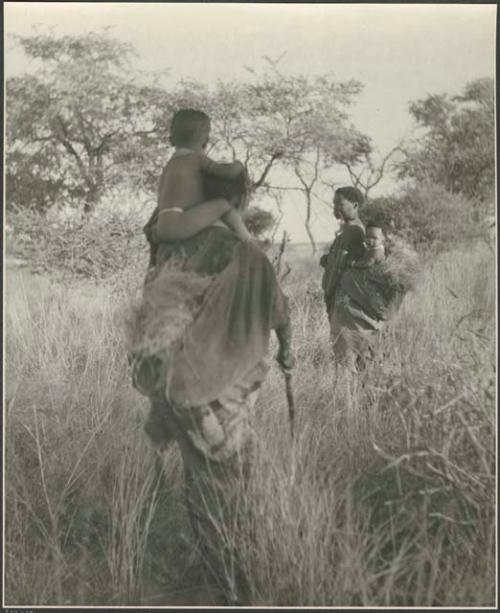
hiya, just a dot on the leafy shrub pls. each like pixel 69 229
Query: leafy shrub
pixel 94 247
pixel 427 216
pixel 258 221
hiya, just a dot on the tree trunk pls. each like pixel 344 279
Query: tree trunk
pixel 308 221
pixel 96 188
pixel 90 202
pixel 92 198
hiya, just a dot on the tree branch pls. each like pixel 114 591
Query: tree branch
pixel 381 170
pixel 42 139
pixel 283 188
pixel 265 172
pixel 352 174
pixel 63 139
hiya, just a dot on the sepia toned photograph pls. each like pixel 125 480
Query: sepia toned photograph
pixel 250 298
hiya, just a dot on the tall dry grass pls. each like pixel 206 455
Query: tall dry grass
pixel 385 498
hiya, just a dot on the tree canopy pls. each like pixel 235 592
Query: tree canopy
pixel 81 124
pixel 457 148
pixel 85 123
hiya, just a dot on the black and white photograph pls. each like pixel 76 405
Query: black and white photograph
pixel 250 306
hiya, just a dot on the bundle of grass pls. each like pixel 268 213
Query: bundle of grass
pixel 380 288
pixel 398 273
pixel 169 303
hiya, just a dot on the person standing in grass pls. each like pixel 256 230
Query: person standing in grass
pixel 361 306
pixel 198 344
pixel 368 294
pixel 347 247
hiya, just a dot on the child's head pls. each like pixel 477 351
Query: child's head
pixel 190 128
pixel 346 203
pixel 374 236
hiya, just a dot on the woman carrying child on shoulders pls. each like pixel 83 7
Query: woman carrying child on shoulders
pixel 199 339
pixel 183 210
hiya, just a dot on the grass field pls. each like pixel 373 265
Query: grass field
pixel 386 498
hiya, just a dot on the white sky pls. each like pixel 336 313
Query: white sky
pixel 400 52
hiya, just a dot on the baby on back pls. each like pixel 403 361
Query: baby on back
pixel 375 250
pixel 183 208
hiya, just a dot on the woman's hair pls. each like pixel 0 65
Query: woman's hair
pixel 217 187
pixel 350 193
pixel 185 124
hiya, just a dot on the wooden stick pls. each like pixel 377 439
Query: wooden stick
pixel 290 399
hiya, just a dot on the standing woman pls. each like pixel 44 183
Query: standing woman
pixel 347 246
pixel 364 286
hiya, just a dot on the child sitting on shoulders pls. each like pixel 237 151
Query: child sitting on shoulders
pixel 183 210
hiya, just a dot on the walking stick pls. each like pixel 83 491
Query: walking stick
pixel 286 372
pixel 290 399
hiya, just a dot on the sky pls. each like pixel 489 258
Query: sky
pixel 400 52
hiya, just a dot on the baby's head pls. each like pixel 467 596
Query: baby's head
pixel 190 128
pixel 374 237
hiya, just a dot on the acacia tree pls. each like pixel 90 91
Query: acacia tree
pixel 333 142
pixel 240 123
pixel 81 123
pixel 366 172
pixel 298 124
pixel 457 147
pixel 84 124
pixel 309 123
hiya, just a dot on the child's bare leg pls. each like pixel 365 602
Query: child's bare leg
pixel 172 226
pixel 234 221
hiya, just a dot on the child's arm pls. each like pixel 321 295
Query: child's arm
pixel 234 221
pixel 176 226
pixel 227 171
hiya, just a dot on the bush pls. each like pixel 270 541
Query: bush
pixel 427 216
pixel 258 221
pixel 94 247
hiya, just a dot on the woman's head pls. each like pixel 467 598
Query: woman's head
pixel 235 190
pixel 346 203
pixel 189 128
